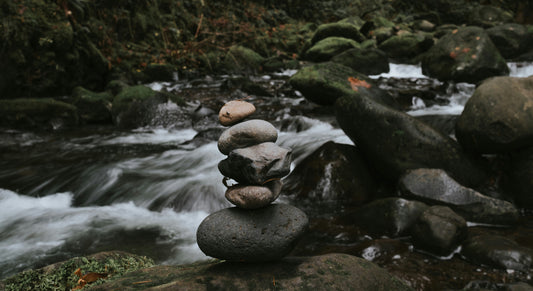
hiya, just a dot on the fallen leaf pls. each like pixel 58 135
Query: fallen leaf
pixel 356 83
pixel 466 49
pixel 453 55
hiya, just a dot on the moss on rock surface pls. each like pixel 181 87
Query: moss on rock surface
pixel 61 276
pixel 42 113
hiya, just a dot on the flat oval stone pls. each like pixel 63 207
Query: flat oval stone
pixel 235 111
pixel 257 164
pixel 264 234
pixel 245 134
pixel 252 196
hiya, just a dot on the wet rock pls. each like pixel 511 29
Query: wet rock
pixel 93 107
pixel 139 106
pixel 498 117
pixel 517 181
pixel 369 61
pixel 465 55
pixel 256 164
pixel 425 25
pixel 497 251
pixel 435 186
pixel 325 82
pixel 439 230
pixel 45 113
pixel 338 29
pixel 239 59
pixel 511 39
pixel 235 111
pixel 395 142
pixel 331 271
pixel 406 46
pixel 252 196
pixel 334 172
pixel 246 134
pixel 389 216
pixel 329 47
pixel 489 16
pixel 264 234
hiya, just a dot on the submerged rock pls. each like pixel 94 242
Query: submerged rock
pixel 247 133
pixel 435 186
pixel 498 117
pixel 257 164
pixel 264 234
pixel 497 251
pixel 439 230
pixel 331 271
pixel 464 55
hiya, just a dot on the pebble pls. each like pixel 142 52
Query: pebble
pixel 235 111
pixel 246 134
pixel 253 196
pixel 257 164
pixel 264 234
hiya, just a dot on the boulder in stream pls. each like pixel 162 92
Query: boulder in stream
pixel 497 251
pixel 340 29
pixel 511 39
pixel 435 186
pixel 465 55
pixel 498 117
pixel 329 47
pixel 44 113
pixel 370 61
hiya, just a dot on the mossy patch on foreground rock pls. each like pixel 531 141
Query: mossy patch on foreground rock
pixel 61 276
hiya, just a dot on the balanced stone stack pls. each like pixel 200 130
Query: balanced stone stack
pixel 256 229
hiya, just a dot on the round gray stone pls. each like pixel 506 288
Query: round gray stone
pixel 246 134
pixel 254 196
pixel 264 234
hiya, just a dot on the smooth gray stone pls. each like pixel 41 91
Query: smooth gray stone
pixel 257 164
pixel 253 196
pixel 246 134
pixel 264 234
pixel 497 251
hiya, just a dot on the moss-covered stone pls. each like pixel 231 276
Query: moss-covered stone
pixel 93 107
pixel 39 113
pixel 408 45
pixel 239 59
pixel 61 276
pixel 339 29
pixel 329 47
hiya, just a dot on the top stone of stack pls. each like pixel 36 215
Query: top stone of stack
pixel 235 111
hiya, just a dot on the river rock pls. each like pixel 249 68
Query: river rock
pixel 498 117
pixel 257 164
pixel 326 272
pixel 246 134
pixel 264 234
pixel 329 47
pixel 325 82
pixel 511 39
pixel 252 196
pixel 439 230
pixel 517 181
pixel 44 113
pixel 435 186
pixel 465 55
pixel 497 251
pixel 395 142
pixel 389 216
pixel 235 111
pixel 339 29
pixel 333 172
pixel 407 45
pixel 369 61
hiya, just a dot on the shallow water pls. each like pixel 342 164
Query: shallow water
pixel 75 192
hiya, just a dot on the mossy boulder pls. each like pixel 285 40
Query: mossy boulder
pixel 407 45
pixel 329 47
pixel 240 59
pixel 323 83
pixel 327 272
pixel 369 61
pixel 489 16
pixel 511 39
pixel 37 113
pixel 61 276
pixel 464 55
pixel 93 107
pixel 139 106
pixel 339 29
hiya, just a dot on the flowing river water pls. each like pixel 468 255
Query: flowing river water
pixel 78 191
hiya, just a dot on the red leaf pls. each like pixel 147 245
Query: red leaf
pixel 356 83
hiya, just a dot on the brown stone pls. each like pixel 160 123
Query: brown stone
pixel 235 111
pixel 254 196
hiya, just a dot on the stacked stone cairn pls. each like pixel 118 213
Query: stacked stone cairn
pixel 256 230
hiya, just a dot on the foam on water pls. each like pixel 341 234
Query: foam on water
pixel 33 227
pixel 153 136
pixel 520 69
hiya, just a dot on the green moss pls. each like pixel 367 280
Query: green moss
pixel 327 48
pixel 61 276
